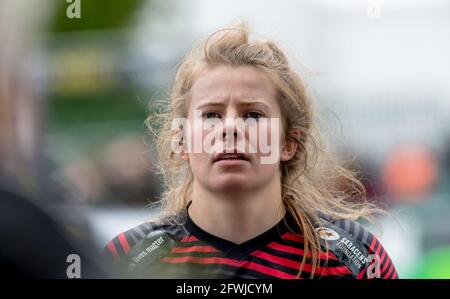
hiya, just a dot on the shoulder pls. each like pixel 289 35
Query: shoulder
pixel 357 247
pixel 154 232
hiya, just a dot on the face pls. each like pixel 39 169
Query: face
pixel 240 106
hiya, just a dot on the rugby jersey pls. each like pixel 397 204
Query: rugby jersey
pixel 163 249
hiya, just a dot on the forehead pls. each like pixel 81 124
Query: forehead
pixel 221 83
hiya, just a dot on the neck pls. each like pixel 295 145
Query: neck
pixel 238 216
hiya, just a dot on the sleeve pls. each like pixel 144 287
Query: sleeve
pixel 117 251
pixel 121 245
pixel 132 254
pixel 378 263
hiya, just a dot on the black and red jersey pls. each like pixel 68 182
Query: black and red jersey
pixel 166 249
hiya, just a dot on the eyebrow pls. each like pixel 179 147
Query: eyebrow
pixel 241 103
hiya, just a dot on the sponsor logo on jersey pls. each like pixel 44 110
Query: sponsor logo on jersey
pixel 137 258
pixel 352 252
pixel 328 234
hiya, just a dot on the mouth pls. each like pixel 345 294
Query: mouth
pixel 231 157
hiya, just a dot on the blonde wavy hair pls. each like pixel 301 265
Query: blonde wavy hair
pixel 312 182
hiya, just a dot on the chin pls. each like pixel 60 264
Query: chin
pixel 231 184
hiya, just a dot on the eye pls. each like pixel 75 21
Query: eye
pixel 253 114
pixel 209 115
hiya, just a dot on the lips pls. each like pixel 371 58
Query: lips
pixel 231 156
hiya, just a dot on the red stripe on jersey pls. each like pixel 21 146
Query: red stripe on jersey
pixel 372 246
pixel 381 260
pixel 112 249
pixel 390 271
pixel 361 274
pixel 386 264
pixel 378 249
pixel 395 275
pixel 226 261
pixel 295 250
pixel 382 257
pixel 292 237
pixel 296 265
pixel 194 249
pixel 189 239
pixel 123 241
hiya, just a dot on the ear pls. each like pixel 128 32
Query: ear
pixel 184 156
pixel 288 147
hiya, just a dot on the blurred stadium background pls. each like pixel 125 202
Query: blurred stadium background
pixel 74 93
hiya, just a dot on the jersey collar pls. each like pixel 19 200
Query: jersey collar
pixel 239 251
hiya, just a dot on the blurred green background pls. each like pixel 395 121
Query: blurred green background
pixel 75 93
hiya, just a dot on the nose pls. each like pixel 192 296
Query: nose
pixel 233 129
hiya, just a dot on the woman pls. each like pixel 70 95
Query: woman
pixel 238 209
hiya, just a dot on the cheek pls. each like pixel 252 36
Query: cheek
pixel 266 172
pixel 198 164
pixel 267 140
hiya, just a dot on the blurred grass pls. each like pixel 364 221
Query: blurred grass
pixel 435 264
pixel 122 105
pixel 95 15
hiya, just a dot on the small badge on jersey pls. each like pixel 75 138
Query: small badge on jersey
pixel 328 234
